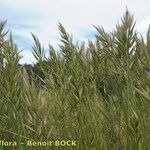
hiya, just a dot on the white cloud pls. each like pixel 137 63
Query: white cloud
pixel 143 25
pixel 41 17
pixel 27 57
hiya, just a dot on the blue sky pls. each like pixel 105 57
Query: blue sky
pixel 41 17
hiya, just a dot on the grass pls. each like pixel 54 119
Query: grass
pixel 98 95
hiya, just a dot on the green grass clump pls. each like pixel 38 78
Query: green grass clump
pixel 98 95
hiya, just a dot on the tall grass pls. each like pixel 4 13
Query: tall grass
pixel 98 95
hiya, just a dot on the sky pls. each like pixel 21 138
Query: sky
pixel 41 17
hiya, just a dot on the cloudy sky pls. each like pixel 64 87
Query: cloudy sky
pixel 41 17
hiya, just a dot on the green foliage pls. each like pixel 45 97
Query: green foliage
pixel 98 95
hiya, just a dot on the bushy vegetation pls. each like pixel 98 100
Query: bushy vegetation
pixel 97 94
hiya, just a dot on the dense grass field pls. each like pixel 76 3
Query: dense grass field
pixel 97 95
